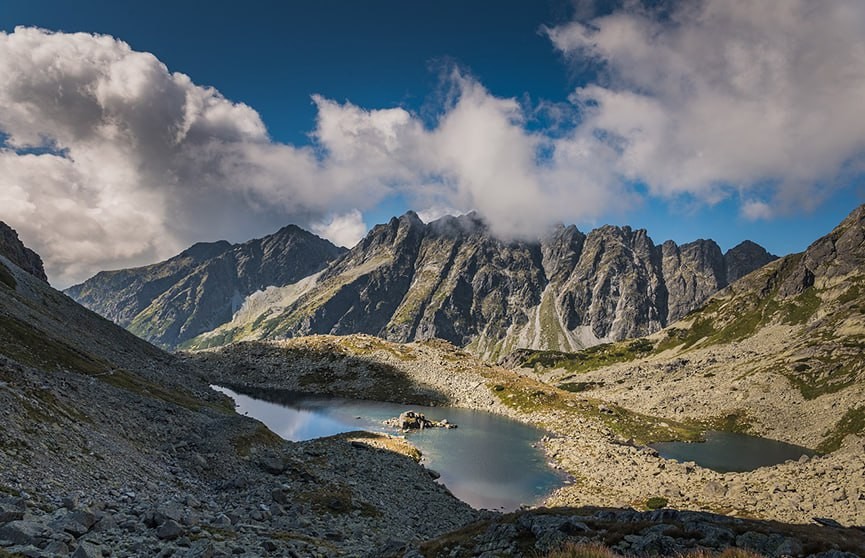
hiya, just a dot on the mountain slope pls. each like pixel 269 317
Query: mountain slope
pixel 780 351
pixel 110 446
pixel 170 302
pixel 453 280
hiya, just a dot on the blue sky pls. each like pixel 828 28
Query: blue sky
pixel 529 63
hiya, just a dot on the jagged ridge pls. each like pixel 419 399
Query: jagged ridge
pixel 451 279
pixel 170 302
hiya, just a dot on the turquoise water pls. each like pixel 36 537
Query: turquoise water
pixel 730 452
pixel 488 461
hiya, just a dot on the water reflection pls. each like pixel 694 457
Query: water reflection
pixel 488 461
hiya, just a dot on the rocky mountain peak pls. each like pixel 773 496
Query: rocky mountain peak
pixel 741 258
pixel 203 286
pixel 836 255
pixel 201 251
pixel 14 250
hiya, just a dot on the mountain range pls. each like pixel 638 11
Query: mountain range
pixel 199 289
pixel 408 280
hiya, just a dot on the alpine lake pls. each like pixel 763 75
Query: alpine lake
pixel 489 461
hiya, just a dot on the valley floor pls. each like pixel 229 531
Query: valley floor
pixel 594 439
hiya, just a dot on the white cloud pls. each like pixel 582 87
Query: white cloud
pixel 143 162
pixel 754 210
pixel 759 100
pixel 722 96
pixel 343 230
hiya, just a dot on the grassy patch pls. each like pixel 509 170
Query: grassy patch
pixel 588 359
pixel 261 436
pixel 656 503
pixel 583 550
pixel 27 345
pixel 579 387
pixel 6 278
pixel 336 499
pixel 801 308
pixel 853 422
pixel 821 376
pixel 530 396
pixel 737 421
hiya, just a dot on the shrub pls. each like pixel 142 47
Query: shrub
pixel 656 503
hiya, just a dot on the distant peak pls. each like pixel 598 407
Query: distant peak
pixel 206 250
pixel 412 217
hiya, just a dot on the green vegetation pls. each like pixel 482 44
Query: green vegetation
pixel 737 421
pixel 800 309
pixel 588 359
pixel 6 278
pixel 853 422
pixel 656 503
pixel 27 345
pixel 528 396
pixel 261 436
pixel 585 550
pixel 578 387
pixel 822 375
pixel 745 315
pixel 336 499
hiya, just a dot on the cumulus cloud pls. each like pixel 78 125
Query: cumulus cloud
pixel 343 230
pixel 713 97
pixel 109 159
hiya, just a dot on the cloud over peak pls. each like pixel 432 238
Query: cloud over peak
pixel 109 159
pixel 728 95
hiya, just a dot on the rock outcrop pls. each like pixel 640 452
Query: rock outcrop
pixel 170 302
pixel 451 279
pixel 14 250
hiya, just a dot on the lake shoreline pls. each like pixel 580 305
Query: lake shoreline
pixel 607 470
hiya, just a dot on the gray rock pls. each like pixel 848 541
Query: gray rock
pixel 57 548
pixel 614 281
pixel 169 530
pixel 87 549
pixel 22 532
pixel 207 277
pixel 279 495
pixel 200 549
pixel 714 489
pixel 10 512
pixel 272 464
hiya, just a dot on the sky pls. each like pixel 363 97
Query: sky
pixel 129 131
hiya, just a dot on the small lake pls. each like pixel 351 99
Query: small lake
pixel 488 461
pixel 727 452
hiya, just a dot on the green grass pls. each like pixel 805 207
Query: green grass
pixel 588 359
pixel 27 345
pixel 853 422
pixel 6 278
pixel 578 387
pixel 529 396
pixel 803 307
pixel 656 503
pixel 261 436
pixel 824 375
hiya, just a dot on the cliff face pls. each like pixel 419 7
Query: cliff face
pixel 199 289
pixel 14 250
pixel 452 279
